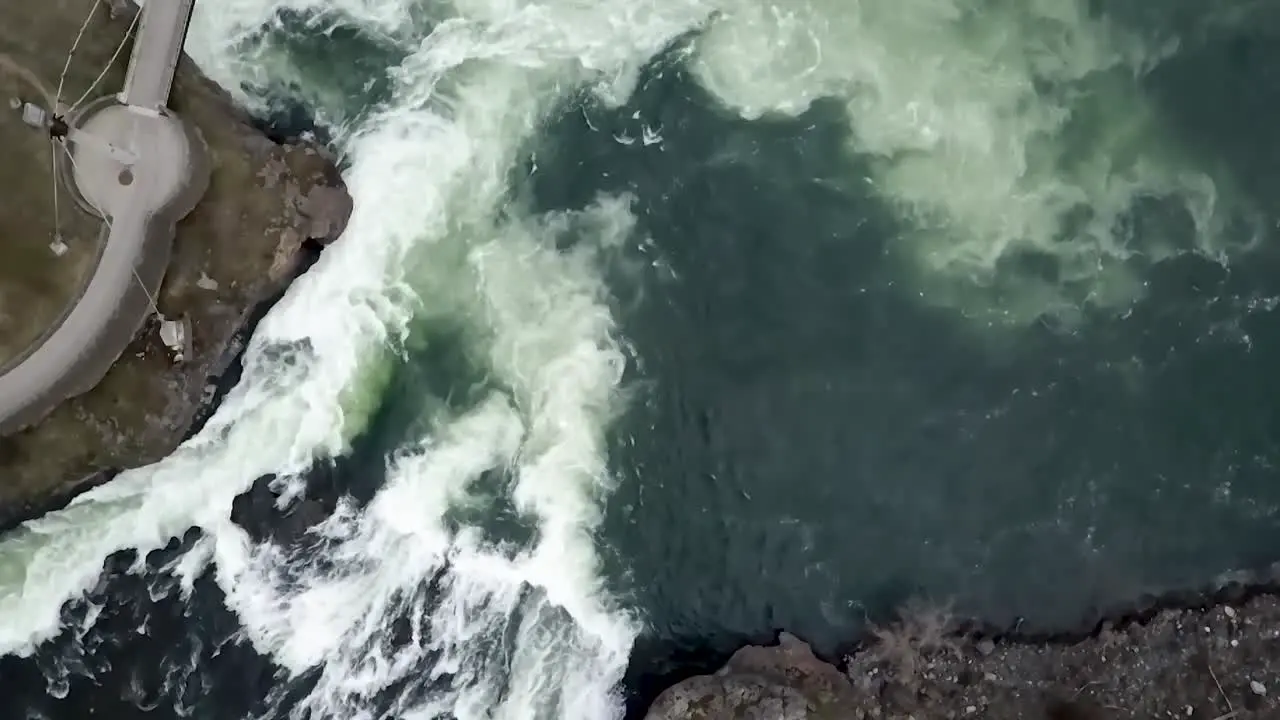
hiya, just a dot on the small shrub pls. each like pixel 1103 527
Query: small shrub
pixel 904 646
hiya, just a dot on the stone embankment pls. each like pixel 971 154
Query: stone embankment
pixel 1218 661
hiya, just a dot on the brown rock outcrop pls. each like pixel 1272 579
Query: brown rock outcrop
pixel 785 682
pixel 1219 662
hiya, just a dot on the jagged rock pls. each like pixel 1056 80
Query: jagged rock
pixel 326 208
pixel 1203 663
pixel 785 682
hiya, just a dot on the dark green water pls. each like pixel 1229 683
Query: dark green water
pixel 810 445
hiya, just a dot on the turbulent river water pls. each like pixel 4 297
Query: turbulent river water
pixel 663 324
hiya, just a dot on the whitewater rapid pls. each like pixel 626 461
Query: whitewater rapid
pixel 509 630
pixel 427 171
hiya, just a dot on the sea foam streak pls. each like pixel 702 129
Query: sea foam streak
pixel 1011 136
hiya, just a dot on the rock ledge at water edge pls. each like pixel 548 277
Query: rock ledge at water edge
pixel 1218 661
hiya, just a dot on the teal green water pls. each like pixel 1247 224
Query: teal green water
pixel 810 445
pixel 816 433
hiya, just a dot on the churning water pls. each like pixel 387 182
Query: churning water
pixel 678 321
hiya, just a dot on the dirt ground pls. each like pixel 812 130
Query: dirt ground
pixel 1213 664
pixel 1221 662
pixel 37 285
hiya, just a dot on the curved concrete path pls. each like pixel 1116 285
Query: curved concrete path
pixel 142 170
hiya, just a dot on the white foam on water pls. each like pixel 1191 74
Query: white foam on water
pixel 551 345
pixel 998 130
pixel 244 46
pixel 278 419
pixel 510 631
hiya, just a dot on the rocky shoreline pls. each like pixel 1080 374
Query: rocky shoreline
pixel 225 375
pixel 196 386
pixel 269 207
pixel 1212 655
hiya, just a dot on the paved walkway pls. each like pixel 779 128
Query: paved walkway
pixel 142 169
pixel 156 53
